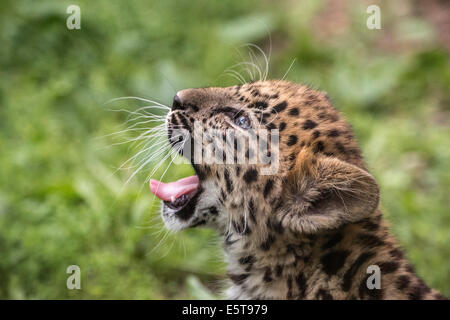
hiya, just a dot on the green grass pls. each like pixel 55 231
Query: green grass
pixel 61 201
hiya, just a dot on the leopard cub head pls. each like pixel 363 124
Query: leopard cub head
pixel 268 155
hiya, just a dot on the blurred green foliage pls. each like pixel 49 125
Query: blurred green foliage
pixel 61 201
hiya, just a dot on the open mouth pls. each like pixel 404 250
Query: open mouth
pixel 177 195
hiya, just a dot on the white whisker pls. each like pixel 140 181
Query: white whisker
pixel 236 75
pixel 138 98
pixel 289 69
pixel 264 56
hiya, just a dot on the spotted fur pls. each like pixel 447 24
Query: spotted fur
pixel 311 230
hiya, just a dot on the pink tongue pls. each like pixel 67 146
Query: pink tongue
pixel 173 190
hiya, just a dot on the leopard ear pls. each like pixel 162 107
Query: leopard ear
pixel 325 193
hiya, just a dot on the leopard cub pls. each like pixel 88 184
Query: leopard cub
pixel 308 231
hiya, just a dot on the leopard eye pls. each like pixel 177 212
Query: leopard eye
pixel 243 122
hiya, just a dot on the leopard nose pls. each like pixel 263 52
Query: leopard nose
pixel 177 103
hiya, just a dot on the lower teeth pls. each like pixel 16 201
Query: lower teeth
pixel 180 201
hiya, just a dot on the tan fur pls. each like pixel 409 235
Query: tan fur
pixel 311 230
